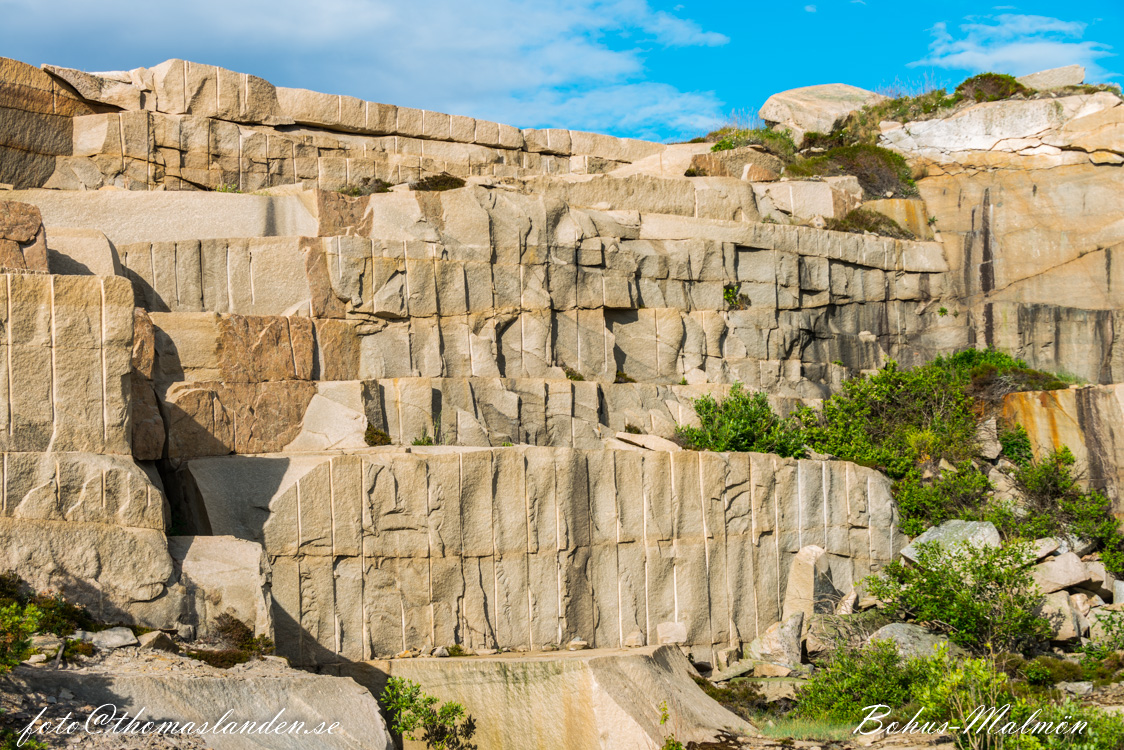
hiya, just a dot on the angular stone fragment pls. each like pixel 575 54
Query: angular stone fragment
pixel 951 533
pixel 1054 78
pixel 1060 572
pixel 780 642
pixel 815 108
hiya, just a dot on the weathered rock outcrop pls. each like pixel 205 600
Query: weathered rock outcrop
pixel 1088 420
pixel 377 551
pixel 1025 197
pixel 171 688
pixel 586 699
pixel 548 324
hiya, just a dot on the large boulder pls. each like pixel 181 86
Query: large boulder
pixel 952 533
pixel 810 589
pixel 574 699
pixel 747 163
pixel 166 687
pixel 913 641
pixel 815 109
pixel 1060 572
pixel 227 576
pixel 1054 78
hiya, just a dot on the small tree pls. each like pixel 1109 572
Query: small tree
pixel 415 715
pixel 980 596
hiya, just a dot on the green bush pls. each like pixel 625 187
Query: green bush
pixel 948 495
pixel 1016 445
pixel 941 689
pixel 991 87
pixel 742 421
pixel 878 170
pixel 439 182
pixel 1048 670
pixel 855 678
pixel 779 143
pixel 416 715
pixel 56 615
pixel 374 436
pixel 878 420
pixel 862 220
pixel 1055 504
pixel 982 597
pixel 17 623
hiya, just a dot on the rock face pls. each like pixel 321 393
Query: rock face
pixel 1024 196
pixel 229 577
pixel 1087 420
pixel 384 550
pixel 815 108
pixel 575 700
pixel 406 420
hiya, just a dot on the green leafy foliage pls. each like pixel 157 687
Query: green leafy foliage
pixel 623 377
pixel 1109 632
pixel 425 439
pixel 1016 445
pixel 669 741
pixel 17 623
pixel 733 297
pixel 228 188
pixel 862 220
pixel 572 374
pixel 56 615
pixel 948 495
pixel 417 716
pixel 742 421
pixel 943 688
pixel 779 143
pixel 895 420
pixel 982 597
pixel 1055 504
pixel 1048 670
pixel 879 170
pixel 855 678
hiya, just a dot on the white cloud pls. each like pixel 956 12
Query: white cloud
pixel 810 8
pixel 570 63
pixel 1016 44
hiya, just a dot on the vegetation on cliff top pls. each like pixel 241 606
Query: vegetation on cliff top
pixel 919 426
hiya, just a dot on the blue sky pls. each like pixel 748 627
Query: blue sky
pixel 661 70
